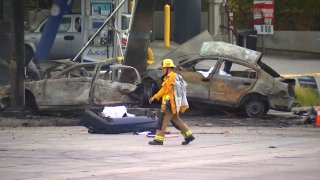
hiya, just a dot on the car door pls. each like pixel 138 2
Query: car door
pixel 76 43
pixel 72 88
pixel 107 88
pixel 62 46
pixel 196 76
pixel 231 81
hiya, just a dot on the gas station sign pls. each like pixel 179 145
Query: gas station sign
pixel 263 16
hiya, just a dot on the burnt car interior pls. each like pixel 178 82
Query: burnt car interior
pixel 227 68
pixel 237 70
pixel 85 70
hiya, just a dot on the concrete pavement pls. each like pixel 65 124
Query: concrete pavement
pixel 217 153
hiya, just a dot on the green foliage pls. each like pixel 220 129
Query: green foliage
pixel 295 15
pixel 242 13
pixel 306 97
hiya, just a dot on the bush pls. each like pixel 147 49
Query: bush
pixel 307 97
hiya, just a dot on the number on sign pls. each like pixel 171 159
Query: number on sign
pixel 264 29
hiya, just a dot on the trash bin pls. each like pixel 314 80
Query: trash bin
pixel 247 38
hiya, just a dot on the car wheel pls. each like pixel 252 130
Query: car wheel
pixel 255 108
pixel 91 131
pixel 30 103
pixel 147 91
pixel 4 104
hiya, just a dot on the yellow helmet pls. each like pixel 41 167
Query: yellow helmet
pixel 167 63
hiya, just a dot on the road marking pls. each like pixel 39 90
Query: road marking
pixel 307 74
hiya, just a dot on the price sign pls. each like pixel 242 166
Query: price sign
pixel 264 29
pixel 263 16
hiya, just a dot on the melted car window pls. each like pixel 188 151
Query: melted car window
pixel 225 68
pixel 65 24
pixel 237 70
pixel 63 27
pixel 206 65
pixel 107 74
pixel 77 24
pixel 76 72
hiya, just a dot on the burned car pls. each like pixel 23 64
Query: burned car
pixel 80 86
pixel 226 75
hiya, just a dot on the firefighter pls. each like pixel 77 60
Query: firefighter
pixel 169 110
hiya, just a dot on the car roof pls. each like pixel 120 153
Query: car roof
pixel 227 50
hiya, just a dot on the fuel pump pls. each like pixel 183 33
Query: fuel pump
pixel 94 14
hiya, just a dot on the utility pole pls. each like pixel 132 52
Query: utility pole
pixel 17 63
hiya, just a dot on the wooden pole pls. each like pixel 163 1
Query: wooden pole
pixel 17 59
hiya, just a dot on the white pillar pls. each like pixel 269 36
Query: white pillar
pixel 214 16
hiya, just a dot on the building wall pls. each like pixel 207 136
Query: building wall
pixel 158 24
pixel 297 41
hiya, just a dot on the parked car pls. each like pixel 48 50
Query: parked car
pixel 226 75
pixel 79 86
pixel 68 41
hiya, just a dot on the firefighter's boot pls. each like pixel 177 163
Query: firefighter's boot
pixel 154 142
pixel 188 140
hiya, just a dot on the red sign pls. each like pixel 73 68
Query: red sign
pixel 263 16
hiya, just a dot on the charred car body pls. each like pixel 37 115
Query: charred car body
pixel 226 75
pixel 79 86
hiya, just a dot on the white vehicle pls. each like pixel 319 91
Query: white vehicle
pixel 68 41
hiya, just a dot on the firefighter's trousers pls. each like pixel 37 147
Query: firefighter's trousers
pixel 163 122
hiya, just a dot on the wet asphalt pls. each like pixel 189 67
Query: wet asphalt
pixel 216 153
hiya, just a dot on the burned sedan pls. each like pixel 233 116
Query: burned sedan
pixel 227 75
pixel 83 85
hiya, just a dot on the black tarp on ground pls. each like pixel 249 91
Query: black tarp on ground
pixel 102 125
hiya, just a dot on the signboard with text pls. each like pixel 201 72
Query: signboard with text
pixel 263 16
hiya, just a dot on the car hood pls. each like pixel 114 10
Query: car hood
pixel 227 50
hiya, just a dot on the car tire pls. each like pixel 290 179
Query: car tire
pixel 30 103
pixel 4 104
pixel 255 108
pixel 147 91
pixel 92 131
